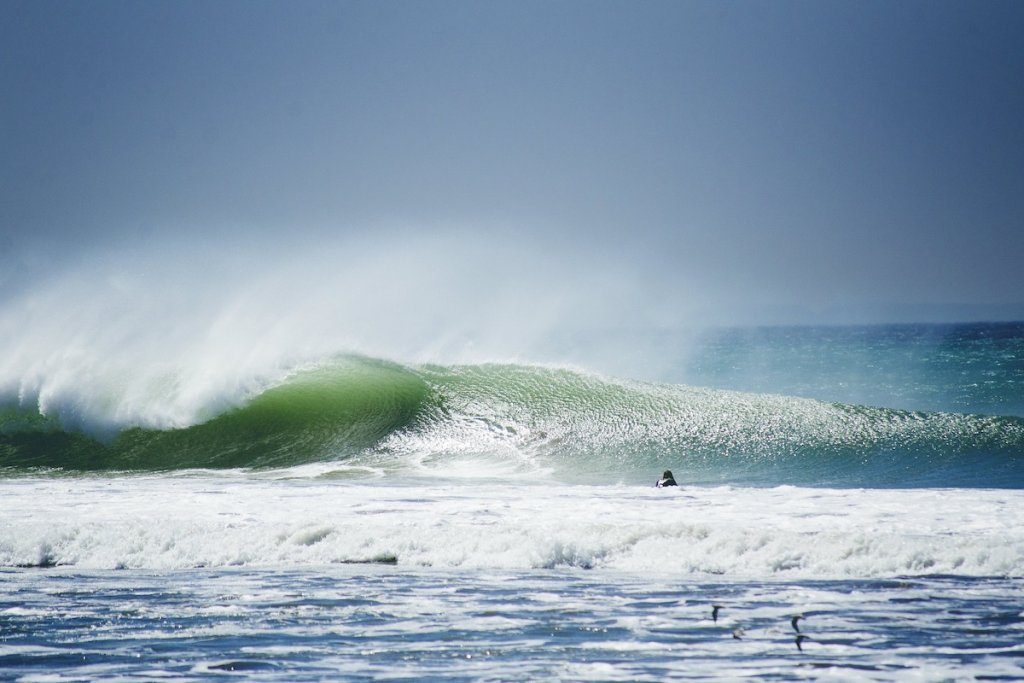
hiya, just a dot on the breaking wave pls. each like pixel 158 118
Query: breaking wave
pixel 557 422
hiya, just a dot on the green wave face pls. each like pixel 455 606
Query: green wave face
pixel 579 426
pixel 330 412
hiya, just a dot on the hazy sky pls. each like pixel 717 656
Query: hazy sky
pixel 763 161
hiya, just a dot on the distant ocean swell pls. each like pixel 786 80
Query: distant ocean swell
pixel 575 425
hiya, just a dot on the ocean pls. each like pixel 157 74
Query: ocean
pixel 850 507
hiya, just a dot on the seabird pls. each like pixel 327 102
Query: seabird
pixel 799 641
pixel 714 612
pixel 738 634
pixel 792 622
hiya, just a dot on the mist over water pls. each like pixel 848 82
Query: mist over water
pixel 172 333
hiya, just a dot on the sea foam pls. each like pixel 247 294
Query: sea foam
pixel 785 532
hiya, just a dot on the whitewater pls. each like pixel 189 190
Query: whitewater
pixel 194 501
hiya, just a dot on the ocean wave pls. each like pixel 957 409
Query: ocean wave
pixel 571 424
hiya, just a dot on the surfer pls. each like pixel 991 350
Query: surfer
pixel 666 480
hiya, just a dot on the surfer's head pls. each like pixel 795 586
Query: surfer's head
pixel 666 479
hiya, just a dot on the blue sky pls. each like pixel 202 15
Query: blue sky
pixel 739 161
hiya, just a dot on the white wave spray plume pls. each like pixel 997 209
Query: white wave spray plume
pixel 170 334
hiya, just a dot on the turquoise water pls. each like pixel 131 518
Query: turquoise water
pixel 966 368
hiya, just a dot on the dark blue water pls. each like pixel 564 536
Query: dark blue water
pixel 372 623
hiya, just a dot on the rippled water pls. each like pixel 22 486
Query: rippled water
pixel 382 622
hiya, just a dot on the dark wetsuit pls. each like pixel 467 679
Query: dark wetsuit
pixel 666 480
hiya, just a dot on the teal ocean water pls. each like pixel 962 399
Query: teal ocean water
pixel 355 517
